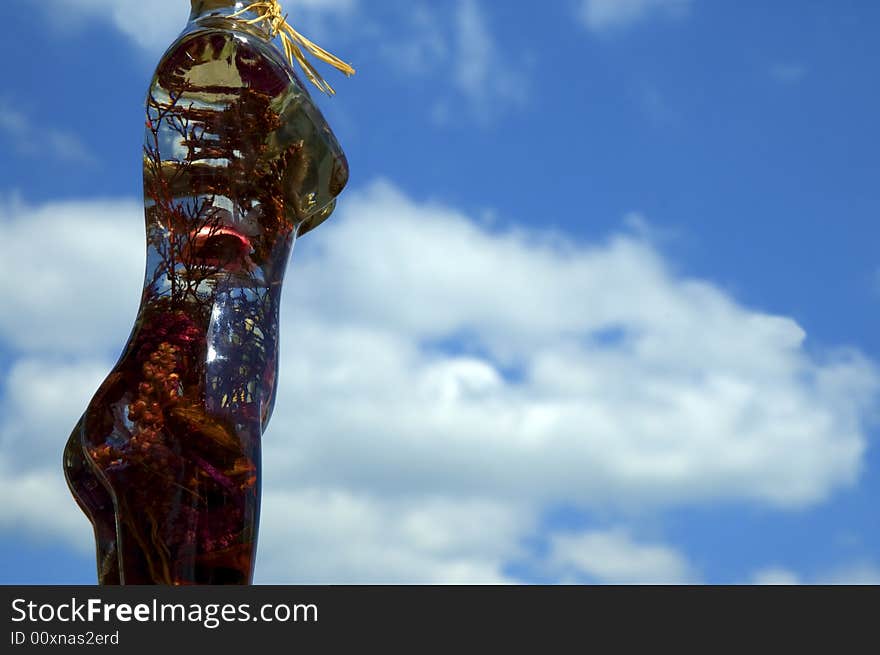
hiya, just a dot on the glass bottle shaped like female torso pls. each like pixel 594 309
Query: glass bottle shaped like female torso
pixel 238 161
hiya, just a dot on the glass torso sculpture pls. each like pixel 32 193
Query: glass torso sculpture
pixel 238 162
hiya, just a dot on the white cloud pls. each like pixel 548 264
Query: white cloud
pixel 853 573
pixel 788 73
pixel 697 397
pixel 473 68
pixel 611 15
pixel 421 41
pixel 42 400
pixel 436 42
pixel 73 272
pixel 858 573
pixel 586 374
pixel 39 141
pixel 153 25
pixel 36 504
pixel 613 557
pixel 422 46
pixel 775 575
pixel 656 105
pixel 341 6
pixel 318 536
pixel 480 70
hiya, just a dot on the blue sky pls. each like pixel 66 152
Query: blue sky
pixel 599 305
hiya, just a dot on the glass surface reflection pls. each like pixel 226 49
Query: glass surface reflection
pixel 238 161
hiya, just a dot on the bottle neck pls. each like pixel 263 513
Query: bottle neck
pixel 208 13
pixel 202 8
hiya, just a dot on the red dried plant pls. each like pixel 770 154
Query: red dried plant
pixel 165 461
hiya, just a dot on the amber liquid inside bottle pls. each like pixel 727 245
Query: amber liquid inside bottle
pixel 237 162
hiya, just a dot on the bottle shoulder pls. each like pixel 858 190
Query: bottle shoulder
pixel 224 108
pixel 222 53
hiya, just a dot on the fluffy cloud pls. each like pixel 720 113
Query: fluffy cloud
pixel 153 25
pixel 455 46
pixel 857 573
pixel 413 39
pixel 613 557
pixel 775 575
pixel 32 141
pixel 580 373
pixel 330 535
pixel 788 73
pixel 150 25
pixel 480 70
pixel 606 15
pixel 441 384
pixel 77 269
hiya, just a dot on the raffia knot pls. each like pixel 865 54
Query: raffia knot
pixel 271 14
